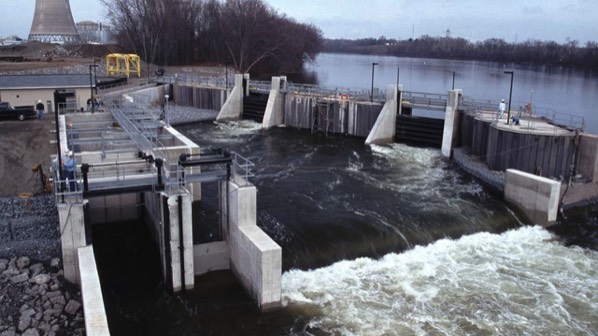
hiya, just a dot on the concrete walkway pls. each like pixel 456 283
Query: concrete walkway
pixel 527 124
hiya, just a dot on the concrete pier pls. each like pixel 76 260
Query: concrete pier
pixel 255 258
pixel 177 254
pixel 274 114
pixel 451 120
pixel 233 107
pixel 383 131
pixel 538 197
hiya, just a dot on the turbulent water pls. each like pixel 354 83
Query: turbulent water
pixel 521 282
pixel 381 240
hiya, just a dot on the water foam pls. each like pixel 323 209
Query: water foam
pixel 519 282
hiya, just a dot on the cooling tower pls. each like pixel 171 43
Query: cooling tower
pixel 53 22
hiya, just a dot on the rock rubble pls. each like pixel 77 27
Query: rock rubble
pixel 34 297
pixel 37 301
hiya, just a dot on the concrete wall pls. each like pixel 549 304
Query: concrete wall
pixel 451 122
pixel 537 197
pixel 256 259
pixel 114 208
pixel 211 257
pixel 72 236
pixel 96 322
pixel 588 157
pixel 345 116
pixel 151 96
pixel 200 96
pixel 546 155
pixel 384 129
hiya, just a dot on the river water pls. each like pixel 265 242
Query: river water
pixel 549 89
pixel 377 240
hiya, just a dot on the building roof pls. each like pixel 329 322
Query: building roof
pixel 15 82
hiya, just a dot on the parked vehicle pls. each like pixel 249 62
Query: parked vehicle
pixel 8 111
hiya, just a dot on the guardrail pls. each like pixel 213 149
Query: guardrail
pixel 429 101
pixel 560 119
pixel 242 167
pixel 565 120
pixel 190 79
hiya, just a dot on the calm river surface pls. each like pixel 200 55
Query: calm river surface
pixel 377 240
pixel 549 89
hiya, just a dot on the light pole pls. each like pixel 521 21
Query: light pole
pixel 91 85
pixel 166 112
pixel 398 73
pixel 453 80
pixel 510 96
pixel 372 92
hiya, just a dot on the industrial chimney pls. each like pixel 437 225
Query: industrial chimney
pixel 53 23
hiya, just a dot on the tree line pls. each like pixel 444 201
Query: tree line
pixel 569 54
pixel 247 35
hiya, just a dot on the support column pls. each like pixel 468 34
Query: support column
pixel 72 236
pixel 233 107
pixel 177 242
pixel 274 114
pixel 384 129
pixel 451 122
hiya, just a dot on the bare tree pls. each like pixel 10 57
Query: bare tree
pixel 247 34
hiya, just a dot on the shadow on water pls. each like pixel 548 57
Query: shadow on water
pixel 137 303
pixel 579 227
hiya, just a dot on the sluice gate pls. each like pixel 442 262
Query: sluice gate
pixel 254 106
pixel 419 131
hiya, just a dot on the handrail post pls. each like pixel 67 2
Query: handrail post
pixel 159 163
pixel 85 172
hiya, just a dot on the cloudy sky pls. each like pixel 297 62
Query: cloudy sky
pixel 474 20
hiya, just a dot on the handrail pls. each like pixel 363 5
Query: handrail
pixel 550 115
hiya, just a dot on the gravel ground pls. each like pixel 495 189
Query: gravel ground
pixel 29 228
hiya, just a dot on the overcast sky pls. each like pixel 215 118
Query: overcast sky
pixel 474 20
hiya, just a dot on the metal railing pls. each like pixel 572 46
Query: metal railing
pixel 242 167
pixel 428 101
pixel 560 119
pixel 337 93
pixel 191 79
pixel 526 113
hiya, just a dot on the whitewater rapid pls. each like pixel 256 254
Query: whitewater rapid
pixel 519 282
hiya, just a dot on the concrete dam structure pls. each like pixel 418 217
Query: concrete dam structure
pixel 132 166
pixel 536 145
pixel 135 166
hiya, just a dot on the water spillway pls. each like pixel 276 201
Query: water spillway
pixel 375 238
